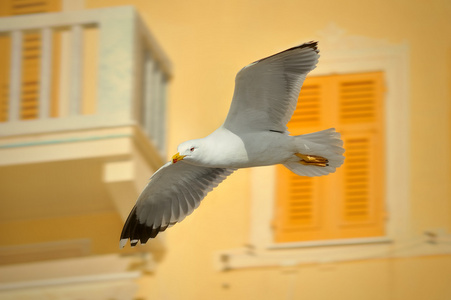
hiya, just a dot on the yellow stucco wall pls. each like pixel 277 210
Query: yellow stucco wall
pixel 208 42
pixel 102 240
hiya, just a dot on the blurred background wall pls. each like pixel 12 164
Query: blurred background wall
pixel 211 254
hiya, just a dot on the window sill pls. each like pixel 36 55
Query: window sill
pixel 325 243
pixel 327 252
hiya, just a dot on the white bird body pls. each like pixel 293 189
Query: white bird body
pixel 226 149
pixel 248 149
pixel 253 134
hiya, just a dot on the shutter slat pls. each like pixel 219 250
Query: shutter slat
pixel 302 196
pixel 357 102
pixel 31 54
pixel 22 7
pixel 357 166
pixel 308 109
pixel 297 206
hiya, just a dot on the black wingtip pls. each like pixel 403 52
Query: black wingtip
pixel 312 45
pixel 136 232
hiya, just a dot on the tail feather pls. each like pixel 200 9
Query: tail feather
pixel 326 143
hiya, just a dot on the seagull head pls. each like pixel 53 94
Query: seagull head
pixel 188 151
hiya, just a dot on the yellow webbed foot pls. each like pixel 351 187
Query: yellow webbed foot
pixel 312 160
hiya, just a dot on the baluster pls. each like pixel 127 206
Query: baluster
pixel 147 95
pixel 45 73
pixel 75 87
pixel 162 131
pixel 156 105
pixel 15 75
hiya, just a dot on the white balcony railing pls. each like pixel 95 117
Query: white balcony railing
pixel 110 72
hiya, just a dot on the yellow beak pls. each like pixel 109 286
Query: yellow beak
pixel 177 157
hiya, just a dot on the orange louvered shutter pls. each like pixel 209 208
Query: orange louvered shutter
pixel 300 200
pixel 362 208
pixel 349 203
pixel 31 54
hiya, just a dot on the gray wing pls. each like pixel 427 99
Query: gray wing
pixel 266 91
pixel 173 192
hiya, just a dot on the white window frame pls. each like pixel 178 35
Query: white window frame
pixel 392 61
pixel 341 55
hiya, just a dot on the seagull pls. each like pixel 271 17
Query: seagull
pixel 254 134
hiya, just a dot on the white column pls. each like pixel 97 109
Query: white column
pixel 45 73
pixel 15 75
pixel 163 121
pixel 75 85
pixel 155 107
pixel 148 95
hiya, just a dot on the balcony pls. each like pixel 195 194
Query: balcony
pixel 110 69
pixel 82 128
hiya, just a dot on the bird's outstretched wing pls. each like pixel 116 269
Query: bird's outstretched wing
pixel 266 91
pixel 173 192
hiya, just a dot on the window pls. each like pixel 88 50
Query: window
pixel 349 203
pixel 343 55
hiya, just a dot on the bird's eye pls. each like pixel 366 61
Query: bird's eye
pixel 191 149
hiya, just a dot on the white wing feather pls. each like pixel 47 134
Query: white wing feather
pixel 266 91
pixel 173 192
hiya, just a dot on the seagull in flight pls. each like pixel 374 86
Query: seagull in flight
pixel 253 134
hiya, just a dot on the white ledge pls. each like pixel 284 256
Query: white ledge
pixel 329 252
pixel 326 243
pixel 70 280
